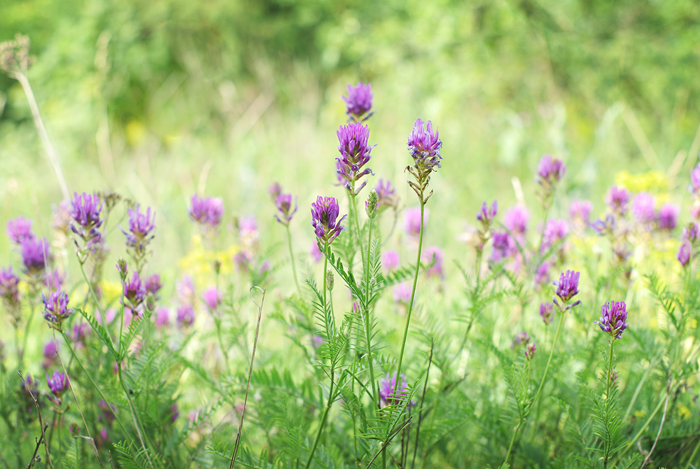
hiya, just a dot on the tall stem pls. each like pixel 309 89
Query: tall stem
pixel 368 322
pixel 323 421
pixel 26 334
pixel 291 255
pixel 133 415
pixel 607 399
pixel 353 199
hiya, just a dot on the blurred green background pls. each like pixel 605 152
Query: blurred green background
pixel 157 99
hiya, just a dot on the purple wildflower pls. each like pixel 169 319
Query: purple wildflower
pixel 162 317
pixel 516 220
pixel 85 211
pixel 56 308
pixel 54 280
pixel 387 387
pixel 555 231
pixel 550 171
pixel 207 211
pixel 153 284
pixel 503 247
pixel 613 318
pixel 643 207
pixel 80 331
pixel 141 226
pixel 174 412
pixel 50 350
pixel 487 214
pixel 324 218
pixel 617 199
pixel 580 211
pixel 424 146
pixel 530 350
pixel 391 260
pixel 283 202
pixel 542 273
pixel 355 152
pixel 9 288
pixel 134 291
pixel 402 293
pixel 248 231
pixel 547 312
pixel 411 220
pixel 684 253
pixel 185 316
pixel 274 190
pixel 242 260
pixel 19 229
pixel 691 232
pixel 567 286
pixel 695 179
pixel 212 298
pixel 35 255
pixel 386 194
pixel 521 338
pixel 317 341
pixel 433 257
pixel 359 101
pixel 315 253
pixel 668 216
pixel 58 383
pixel 185 289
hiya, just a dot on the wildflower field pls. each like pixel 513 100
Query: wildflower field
pixel 273 235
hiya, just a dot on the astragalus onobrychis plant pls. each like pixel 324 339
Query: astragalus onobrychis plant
pixel 568 342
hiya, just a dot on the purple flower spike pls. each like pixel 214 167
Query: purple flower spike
pixel 542 274
pixel 386 194
pixel 695 180
pixel 550 171
pixel 56 308
pixel 355 153
pixel 433 255
pixel 212 298
pixel 643 208
pixel 153 284
pixel 516 220
pixel 9 287
pixel 283 202
pixel 35 255
pixel 141 226
pixel 402 293
pixel 85 211
pixel 162 317
pixel 207 211
pixel 58 383
pixel 547 312
pixel 555 231
pixel 424 146
pixel 387 387
pixel 567 286
pixel 274 190
pixel 134 291
pixel 530 350
pixel 684 253
pixel 391 260
pixel 359 101
pixel 19 230
pixel 504 247
pixel 613 318
pixel 668 217
pixel 580 211
pixel 411 220
pixel 617 199
pixel 324 218
pixel 185 316
pixel 691 232
pixel 486 215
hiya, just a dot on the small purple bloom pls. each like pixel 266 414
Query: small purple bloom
pixel 324 218
pixel 85 211
pixel 391 260
pixel 185 289
pixel 35 254
pixel 141 227
pixel 355 153
pixel 315 252
pixel 283 202
pixel 542 273
pixel 691 232
pixel 54 280
pixel 547 312
pixel 402 293
pixel 613 318
pixel 185 316
pixel 248 230
pixel 530 350
pixel 242 260
pixel 162 317
pixel 56 308
pixel 504 247
pixel 486 215
pixel 555 231
pixel 433 257
pixel 207 211
pixel 134 291
pixel 617 199
pixel 19 229
pixel 212 298
pixel 695 179
pixel 50 349
pixel 516 220
pixel 9 287
pixel 386 194
pixel 580 211
pixel 317 341
pixel 274 190
pixel 643 207
pixel 668 216
pixel 153 284
pixel 521 338
pixel 358 101
pixel 411 220
pixel 80 331
pixel 174 412
pixel 58 383
pixel 684 253
pixel 387 387
pixel 567 286
pixel 425 145
pixel 550 171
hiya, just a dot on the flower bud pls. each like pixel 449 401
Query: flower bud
pixel 372 204
pixel 330 280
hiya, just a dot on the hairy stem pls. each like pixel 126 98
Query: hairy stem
pixel 291 255
pixel 609 381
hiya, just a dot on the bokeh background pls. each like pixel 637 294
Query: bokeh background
pixel 160 99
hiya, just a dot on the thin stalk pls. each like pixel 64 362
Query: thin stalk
pixel 323 421
pixel 422 400
pixel 370 358
pixel 607 398
pixel 353 199
pixel 133 415
pixel 291 255
pixel 26 333
pixel 692 456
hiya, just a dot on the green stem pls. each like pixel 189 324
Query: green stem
pixel 607 400
pixel 368 322
pixel 353 199
pixel 133 415
pixel 26 334
pixel 549 361
pixel 291 255
pixel 323 421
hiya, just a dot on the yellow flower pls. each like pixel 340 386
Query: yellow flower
pixel 651 181
pixel 199 263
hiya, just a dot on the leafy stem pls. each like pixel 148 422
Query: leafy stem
pixel 291 255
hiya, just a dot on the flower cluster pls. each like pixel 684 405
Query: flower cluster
pixel 134 292
pixel 613 319
pixel 567 287
pixel 386 194
pixel 56 309
pixel 85 211
pixel 140 233
pixel 550 171
pixel 324 218
pixel 9 293
pixel 19 230
pixel 58 383
pixel 283 203
pixel 206 211
pixel 355 153
pixel 387 387
pixel 359 102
